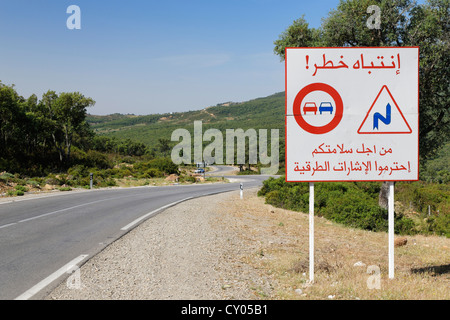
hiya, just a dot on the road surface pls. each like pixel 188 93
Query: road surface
pixel 41 238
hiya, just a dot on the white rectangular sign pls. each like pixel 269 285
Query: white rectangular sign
pixel 352 114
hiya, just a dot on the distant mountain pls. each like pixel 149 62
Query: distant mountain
pixel 261 113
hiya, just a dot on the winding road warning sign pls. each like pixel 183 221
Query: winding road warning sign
pixel 384 116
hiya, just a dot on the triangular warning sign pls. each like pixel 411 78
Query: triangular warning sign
pixel 384 116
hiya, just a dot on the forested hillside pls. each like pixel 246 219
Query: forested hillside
pixel 262 113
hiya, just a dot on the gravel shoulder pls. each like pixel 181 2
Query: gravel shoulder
pixel 190 251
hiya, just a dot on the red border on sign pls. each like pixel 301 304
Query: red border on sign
pixel 298 112
pixel 418 107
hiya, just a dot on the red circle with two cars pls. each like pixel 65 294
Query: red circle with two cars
pixel 298 113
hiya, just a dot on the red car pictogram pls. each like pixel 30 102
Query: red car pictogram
pixel 310 107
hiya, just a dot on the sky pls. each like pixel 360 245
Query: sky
pixel 146 57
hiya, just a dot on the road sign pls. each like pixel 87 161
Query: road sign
pixel 311 106
pixel 384 116
pixel 352 114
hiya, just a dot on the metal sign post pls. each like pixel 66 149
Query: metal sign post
pixel 391 229
pixel 311 232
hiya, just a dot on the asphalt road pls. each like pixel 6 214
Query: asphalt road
pixel 39 237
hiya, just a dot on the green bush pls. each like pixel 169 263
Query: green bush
pixel 404 225
pixel 21 188
pixel 247 172
pixel 187 178
pixel 6 177
pixel 273 198
pixel 352 204
pixel 78 171
pixel 12 193
pixel 153 173
pixel 33 183
pixel 437 169
pixel 124 172
pixel 419 195
pixel 97 159
pixel 439 224
pixel 354 209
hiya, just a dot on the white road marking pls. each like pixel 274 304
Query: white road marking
pixel 57 211
pixel 55 275
pixel 61 210
pixel 128 226
pixel 7 225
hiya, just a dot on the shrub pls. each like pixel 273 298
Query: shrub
pixel 420 195
pixel 97 159
pixel 439 224
pixel 6 177
pixel 153 173
pixel 33 183
pixel 52 181
pixel 187 178
pixel 12 193
pixel 78 171
pixel 164 165
pixel 273 198
pixel 21 188
pixel 353 204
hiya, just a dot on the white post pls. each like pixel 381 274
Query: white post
pixel 391 229
pixel 311 232
pixel 241 188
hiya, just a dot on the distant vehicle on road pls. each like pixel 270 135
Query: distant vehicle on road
pixel 199 171
pixel 326 107
pixel 310 107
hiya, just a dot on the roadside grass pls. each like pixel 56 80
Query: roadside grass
pixel 278 247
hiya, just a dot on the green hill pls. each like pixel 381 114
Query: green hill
pixel 261 113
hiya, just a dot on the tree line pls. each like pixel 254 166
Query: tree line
pixel 51 134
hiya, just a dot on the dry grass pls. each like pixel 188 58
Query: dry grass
pixel 277 246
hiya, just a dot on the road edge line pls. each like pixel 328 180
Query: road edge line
pixel 145 216
pixel 55 275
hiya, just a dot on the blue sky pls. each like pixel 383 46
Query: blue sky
pixel 147 57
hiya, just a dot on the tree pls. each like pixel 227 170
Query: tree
pixel 164 145
pixel 298 35
pixel 429 29
pixel 9 108
pixel 65 117
pixel 403 23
